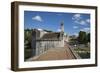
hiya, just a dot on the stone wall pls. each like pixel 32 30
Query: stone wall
pixel 42 46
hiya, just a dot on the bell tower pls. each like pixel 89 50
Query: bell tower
pixel 62 30
pixel 62 27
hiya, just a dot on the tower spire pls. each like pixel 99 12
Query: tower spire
pixel 62 30
pixel 62 26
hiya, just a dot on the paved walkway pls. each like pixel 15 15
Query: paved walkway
pixel 61 53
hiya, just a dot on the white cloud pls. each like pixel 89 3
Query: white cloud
pixel 37 18
pixel 75 27
pixel 76 34
pixel 76 17
pixel 58 30
pixel 40 29
pixel 88 20
pixel 86 29
pixel 82 22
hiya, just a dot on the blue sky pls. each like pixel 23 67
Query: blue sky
pixel 73 22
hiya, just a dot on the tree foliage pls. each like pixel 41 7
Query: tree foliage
pixel 83 37
pixel 88 37
pixel 27 37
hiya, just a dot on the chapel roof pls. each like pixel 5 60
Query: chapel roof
pixel 51 36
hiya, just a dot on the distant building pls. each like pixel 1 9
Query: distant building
pixel 43 40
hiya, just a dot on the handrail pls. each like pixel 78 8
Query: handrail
pixel 73 52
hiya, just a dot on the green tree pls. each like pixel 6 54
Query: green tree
pixel 27 36
pixel 82 38
pixel 88 37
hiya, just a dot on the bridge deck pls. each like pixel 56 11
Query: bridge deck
pixel 61 53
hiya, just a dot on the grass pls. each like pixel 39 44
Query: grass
pixel 84 53
pixel 82 49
